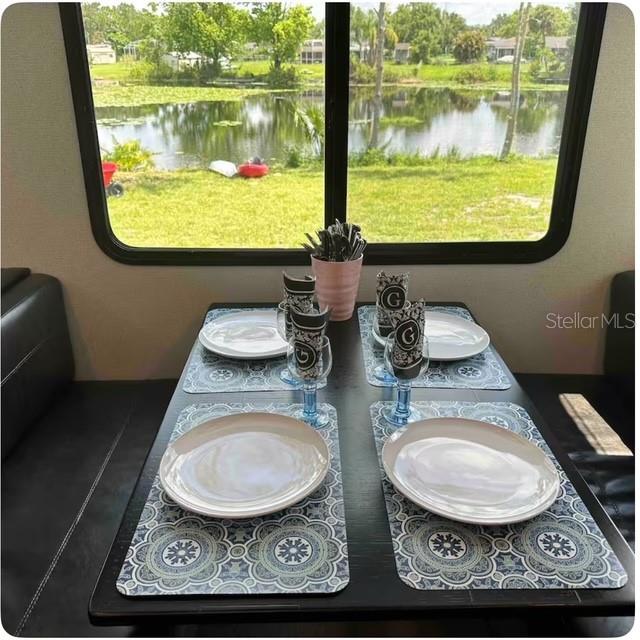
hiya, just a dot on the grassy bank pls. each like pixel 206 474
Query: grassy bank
pixel 308 73
pixel 479 76
pixel 477 199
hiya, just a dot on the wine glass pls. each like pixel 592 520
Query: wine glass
pixel 403 412
pixel 308 367
pixel 284 330
pixel 381 372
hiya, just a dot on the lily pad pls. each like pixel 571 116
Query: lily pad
pixel 227 123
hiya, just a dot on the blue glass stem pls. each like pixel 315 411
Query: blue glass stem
pixel 309 409
pixel 403 408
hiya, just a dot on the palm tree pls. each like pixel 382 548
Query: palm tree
pixel 523 23
pixel 311 119
pixel 379 60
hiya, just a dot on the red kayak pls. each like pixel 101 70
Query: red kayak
pixel 249 170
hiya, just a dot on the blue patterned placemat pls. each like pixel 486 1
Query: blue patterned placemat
pixel 482 371
pixel 210 373
pixel 562 548
pixel 302 549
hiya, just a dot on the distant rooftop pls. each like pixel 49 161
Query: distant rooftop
pixel 501 43
pixel 556 42
pixel 104 46
pixel 550 42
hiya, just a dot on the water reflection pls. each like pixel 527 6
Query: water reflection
pixel 421 120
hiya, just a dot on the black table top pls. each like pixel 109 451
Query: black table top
pixel 375 591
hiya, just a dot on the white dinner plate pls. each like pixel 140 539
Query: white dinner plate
pixel 248 335
pixel 449 337
pixel 244 465
pixel 470 471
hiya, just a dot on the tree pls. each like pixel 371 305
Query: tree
pixel 469 46
pixel 212 29
pixel 573 14
pixel 118 25
pixel 282 30
pixel 363 31
pixel 429 30
pixel 452 25
pixel 544 21
pixel 96 22
pixel 318 30
pixel 425 45
pixel 504 25
pixel 411 19
pixel 379 59
pixel 523 25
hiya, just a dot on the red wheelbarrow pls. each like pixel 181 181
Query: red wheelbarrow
pixel 111 188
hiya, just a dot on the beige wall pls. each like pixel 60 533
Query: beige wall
pixel 139 322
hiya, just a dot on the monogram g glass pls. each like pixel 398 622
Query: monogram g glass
pixel 283 322
pixel 406 354
pixel 391 298
pixel 310 364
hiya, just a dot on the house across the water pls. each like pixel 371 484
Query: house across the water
pixel 500 47
pixel 102 53
pixel 558 44
pixel 312 52
pixel 178 61
pixel 401 52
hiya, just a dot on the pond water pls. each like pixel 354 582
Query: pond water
pixel 418 120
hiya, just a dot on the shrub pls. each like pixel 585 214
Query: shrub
pixel 469 46
pixel 293 157
pixel 535 70
pixel 390 75
pixel 130 155
pixel 141 71
pixel 477 73
pixel 144 71
pixel 283 78
pixel 362 73
pixel 367 158
pixel 198 73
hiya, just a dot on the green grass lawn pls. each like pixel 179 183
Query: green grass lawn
pixel 436 73
pixel 117 71
pixel 477 199
pixel 448 75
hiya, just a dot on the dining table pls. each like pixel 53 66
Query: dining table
pixel 374 591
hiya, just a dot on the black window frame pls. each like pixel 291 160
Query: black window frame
pixel 582 79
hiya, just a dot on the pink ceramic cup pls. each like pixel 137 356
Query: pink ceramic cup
pixel 337 285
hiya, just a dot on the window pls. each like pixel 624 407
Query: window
pixel 458 140
pixel 443 147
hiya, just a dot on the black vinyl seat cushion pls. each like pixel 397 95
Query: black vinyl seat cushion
pixel 610 477
pixel 12 275
pixel 37 362
pixel 64 490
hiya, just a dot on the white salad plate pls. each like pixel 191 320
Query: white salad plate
pixel 244 465
pixel 470 471
pixel 248 335
pixel 448 337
